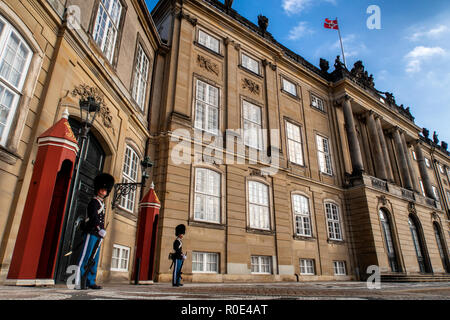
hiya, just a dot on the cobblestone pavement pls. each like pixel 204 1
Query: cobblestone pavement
pixel 237 291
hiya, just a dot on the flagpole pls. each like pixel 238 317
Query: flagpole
pixel 342 45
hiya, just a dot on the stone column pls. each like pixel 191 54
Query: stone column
pixel 423 170
pixel 412 172
pixel 389 174
pixel 380 166
pixel 355 149
pixel 403 164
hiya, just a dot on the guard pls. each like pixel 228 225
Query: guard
pixel 178 257
pixel 94 232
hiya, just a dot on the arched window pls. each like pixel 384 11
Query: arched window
pixel 207 195
pixel 130 175
pixel 418 245
pixel 333 221
pixel 302 216
pixel 388 240
pixel 441 246
pixel 15 58
pixel 258 205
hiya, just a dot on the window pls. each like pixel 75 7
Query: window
pixel 120 258
pixel 107 26
pixel 422 188
pixel 258 205
pixel 207 195
pixel 339 268
pixel 203 262
pixel 317 103
pixel 307 267
pixel 252 126
pixel 333 222
pixel 414 155
pixel 208 41
pixel 448 196
pixel 323 148
pixel 388 240
pixel 289 87
pixel 441 169
pixel 129 175
pixel 295 147
pixel 261 264
pixel 140 78
pixel 250 63
pixel 15 58
pixel 427 163
pixel 300 205
pixel 207 108
pixel 436 193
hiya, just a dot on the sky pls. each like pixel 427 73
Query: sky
pixel 409 55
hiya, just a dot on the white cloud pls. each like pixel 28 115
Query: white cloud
pixel 297 6
pixel 300 31
pixel 352 47
pixel 420 54
pixel 430 34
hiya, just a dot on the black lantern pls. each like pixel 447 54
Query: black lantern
pixel 123 189
pixel 89 109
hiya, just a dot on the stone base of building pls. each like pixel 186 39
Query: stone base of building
pixel 30 282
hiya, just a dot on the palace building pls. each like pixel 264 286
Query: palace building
pixel 280 170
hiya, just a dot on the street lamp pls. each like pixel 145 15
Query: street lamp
pixel 123 189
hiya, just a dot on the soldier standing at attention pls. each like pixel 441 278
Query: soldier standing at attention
pixel 178 256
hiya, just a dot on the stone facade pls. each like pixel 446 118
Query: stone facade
pixel 367 165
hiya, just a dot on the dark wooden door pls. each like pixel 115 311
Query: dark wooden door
pixel 92 164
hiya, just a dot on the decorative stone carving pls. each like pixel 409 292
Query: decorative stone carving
pixel 272 66
pixel 252 86
pixel 435 138
pixel 191 20
pixel 338 65
pixel 324 65
pixel 361 75
pixel 208 65
pixel 444 145
pixel 426 133
pixel 383 200
pixel 390 99
pixel 263 23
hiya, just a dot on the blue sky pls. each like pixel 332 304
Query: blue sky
pixel 409 56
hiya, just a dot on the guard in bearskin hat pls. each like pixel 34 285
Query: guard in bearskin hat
pixel 178 256
pixel 94 232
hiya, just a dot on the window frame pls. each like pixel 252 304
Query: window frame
pixel 207 106
pixel 145 92
pixel 283 88
pixel 251 58
pixel 338 222
pixel 302 216
pixel 205 262
pixel 126 178
pixel 251 223
pixel 427 162
pixel 260 264
pixel 260 132
pixel 16 91
pixel 436 193
pixel 320 152
pixel 94 17
pixel 295 142
pixel 338 266
pixel 306 267
pixel 208 34
pixel 219 197
pixel 120 258
pixel 315 96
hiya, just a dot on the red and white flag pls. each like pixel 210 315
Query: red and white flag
pixel 331 24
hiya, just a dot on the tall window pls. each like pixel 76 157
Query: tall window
pixel 258 205
pixel 120 258
pixel 333 221
pixel 441 246
pixel 317 103
pixel 107 26
pixel 129 175
pixel 436 193
pixel 207 195
pixel 252 125
pixel 417 244
pixel 289 87
pixel 323 153
pixel 15 58
pixel 388 240
pixel 294 138
pixel 208 41
pixel 203 262
pixel 140 77
pixel 307 267
pixel 207 108
pixel 250 63
pixel 339 268
pixel 302 217
pixel 261 264
pixel 422 188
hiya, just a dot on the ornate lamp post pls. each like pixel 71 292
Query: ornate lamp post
pixel 123 189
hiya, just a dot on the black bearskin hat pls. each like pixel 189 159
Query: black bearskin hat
pixel 180 229
pixel 103 181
